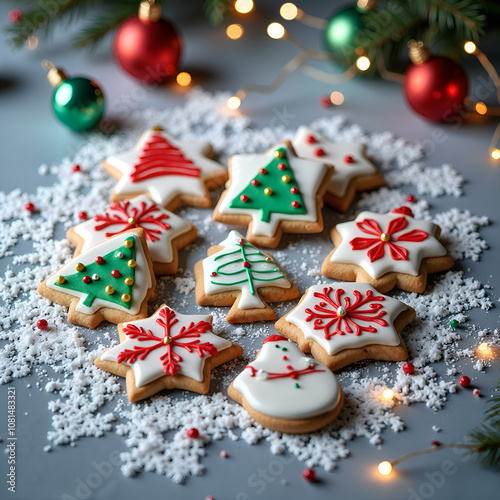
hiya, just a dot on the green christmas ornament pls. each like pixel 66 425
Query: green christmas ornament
pixel 77 102
pixel 342 30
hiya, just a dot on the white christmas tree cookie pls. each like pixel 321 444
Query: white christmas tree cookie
pixel 111 281
pixel 286 391
pixel 165 232
pixel 387 250
pixel 238 274
pixel 169 171
pixel 347 322
pixel 274 193
pixel 168 350
pixel 353 172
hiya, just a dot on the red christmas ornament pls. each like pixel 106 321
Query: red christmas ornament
pixel 82 215
pixel 14 15
pixel 309 474
pixel 30 207
pixel 464 381
pixel 408 368
pixel 148 47
pixel 42 324
pixel 193 433
pixel 434 86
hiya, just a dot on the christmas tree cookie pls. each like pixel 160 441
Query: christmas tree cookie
pixel 353 171
pixel 168 350
pixel 347 322
pixel 387 250
pixel 238 274
pixel 169 171
pixel 112 281
pixel 165 232
pixel 274 193
pixel 286 391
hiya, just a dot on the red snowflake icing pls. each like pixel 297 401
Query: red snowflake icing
pixel 377 245
pixel 144 218
pixel 330 314
pixel 170 359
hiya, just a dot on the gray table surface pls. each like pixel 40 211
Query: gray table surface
pixel 220 64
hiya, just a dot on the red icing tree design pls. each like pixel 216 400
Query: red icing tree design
pixel 170 359
pixel 376 245
pixel 335 318
pixel 159 158
pixel 127 217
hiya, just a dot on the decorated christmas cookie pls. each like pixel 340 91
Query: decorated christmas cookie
pixel 353 171
pixel 169 171
pixel 112 281
pixel 387 250
pixel 274 193
pixel 346 322
pixel 165 232
pixel 287 391
pixel 237 273
pixel 168 350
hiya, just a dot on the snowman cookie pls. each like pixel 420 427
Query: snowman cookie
pixel 353 171
pixel 238 274
pixel 165 232
pixel 274 193
pixel 342 323
pixel 286 391
pixel 387 250
pixel 169 171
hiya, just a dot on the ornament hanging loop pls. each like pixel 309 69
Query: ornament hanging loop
pixel 418 52
pixel 149 11
pixel 55 76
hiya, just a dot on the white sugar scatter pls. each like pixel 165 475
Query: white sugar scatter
pixel 435 428
pixel 88 402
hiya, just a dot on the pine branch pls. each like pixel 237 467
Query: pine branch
pixel 217 10
pixel 485 444
pixel 494 411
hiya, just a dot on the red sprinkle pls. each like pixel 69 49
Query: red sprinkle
pixel 223 454
pixel 319 152
pixel 476 392
pixel 193 433
pixel 294 190
pixel 281 166
pixel 244 198
pixel 325 101
pixel 246 263
pixel 241 242
pixel 209 497
pixel 410 198
pixel 255 182
pixel 14 15
pixel 284 358
pixel 309 475
pixel 464 381
pixel 30 207
pixel 348 159
pixel 42 324
pixel 263 171
pixel 435 443
pixel 289 367
pixel 99 260
pixel 115 273
pixel 83 216
pixel 295 204
pixel 76 168
pixel 310 139
pixel 87 280
pixel 408 368
pixel 213 273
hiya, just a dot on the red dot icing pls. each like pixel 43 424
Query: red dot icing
pixel 274 338
pixel 281 166
pixel 348 159
pixel 310 139
pixel 115 273
pixel 319 152
pixel 99 260
pixel 246 263
pixel 294 190
pixel 295 204
pixel 241 242
pixel 262 170
pixel 255 182
pixel 244 198
pixel 87 280
pixel 213 273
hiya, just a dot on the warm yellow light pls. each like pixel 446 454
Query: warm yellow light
pixel 234 31
pixel 470 47
pixel 481 108
pixel 275 30
pixel 32 42
pixel 289 11
pixel 363 63
pixel 243 6
pixel 385 468
pixel 388 394
pixel 495 154
pixel 337 98
pixel 484 349
pixel 234 102
pixel 183 79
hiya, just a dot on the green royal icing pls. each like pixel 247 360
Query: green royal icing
pixel 281 200
pixel 96 289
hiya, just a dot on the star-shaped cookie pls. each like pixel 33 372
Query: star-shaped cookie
pixel 169 171
pixel 165 232
pixel 168 350
pixel 343 323
pixel 387 250
pixel 353 171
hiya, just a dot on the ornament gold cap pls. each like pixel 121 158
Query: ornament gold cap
pixel 366 4
pixel 55 76
pixel 418 52
pixel 149 11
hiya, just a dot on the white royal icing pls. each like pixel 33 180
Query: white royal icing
pixel 335 152
pixel 429 247
pixel 317 394
pixel 151 367
pixel 142 277
pixel 384 335
pixel 164 189
pixel 247 299
pixel 244 167
pixel 160 249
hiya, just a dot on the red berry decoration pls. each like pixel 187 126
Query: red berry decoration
pixel 213 273
pixel 241 243
pixel 82 216
pixel 435 443
pixel 87 280
pixel 281 166
pixel 310 139
pixel 319 152
pixel 294 190
pixel 476 392
pixel 223 454
pixel 30 207
pixel 325 101
pixel 309 475
pixel 348 159
pixel 76 168
pixel 263 171
pixel 410 198
pixel 14 15
pixel 295 204
pixel 99 260
pixel 244 198
pixel 115 273
pixel 464 381
pixel 246 263
pixel 255 182
pixel 42 324
pixel 193 433
pixel 408 368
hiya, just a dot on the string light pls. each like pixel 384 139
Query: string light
pixel 388 394
pixel 385 468
pixel 243 6
pixel 484 349
pixel 363 63
pixel 234 102
pixel 234 31
pixel 495 154
pixel 183 79
pixel 288 11
pixel 276 31
pixel 337 98
pixel 470 47
pixel 481 108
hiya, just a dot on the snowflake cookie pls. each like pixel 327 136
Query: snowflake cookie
pixel 112 281
pixel 169 171
pixel 238 274
pixel 274 193
pixel 387 250
pixel 342 323
pixel 168 350
pixel 286 391
pixel 165 232
pixel 353 172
